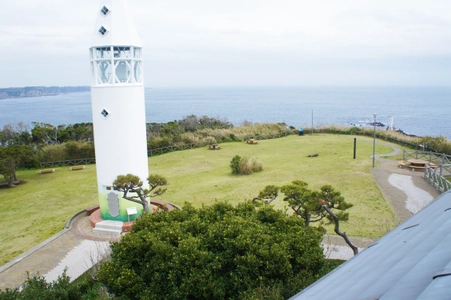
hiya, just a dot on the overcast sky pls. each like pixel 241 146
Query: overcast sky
pixel 238 42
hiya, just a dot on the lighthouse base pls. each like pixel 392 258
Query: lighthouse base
pixel 109 227
pixel 98 224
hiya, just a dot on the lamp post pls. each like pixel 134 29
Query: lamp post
pixel 374 139
pixel 312 121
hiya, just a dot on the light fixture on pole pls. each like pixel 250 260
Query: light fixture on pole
pixel 374 139
pixel 312 121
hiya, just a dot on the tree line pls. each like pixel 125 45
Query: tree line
pixel 24 146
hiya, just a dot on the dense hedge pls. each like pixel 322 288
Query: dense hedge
pixel 215 252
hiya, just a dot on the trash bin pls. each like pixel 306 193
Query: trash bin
pixel 301 131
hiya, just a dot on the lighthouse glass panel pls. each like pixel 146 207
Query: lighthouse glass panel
pixel 122 52
pixel 122 71
pixel 103 52
pixel 103 72
pixel 137 72
pixel 137 53
pixel 92 72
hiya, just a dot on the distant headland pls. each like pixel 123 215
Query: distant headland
pixel 39 91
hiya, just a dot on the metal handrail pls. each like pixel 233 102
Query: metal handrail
pixel 434 175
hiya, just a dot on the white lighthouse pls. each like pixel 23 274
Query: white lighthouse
pixel 118 108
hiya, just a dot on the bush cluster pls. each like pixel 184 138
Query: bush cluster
pixel 245 165
pixel 66 151
pixel 438 144
pixel 215 252
pixel 36 287
pixel 182 132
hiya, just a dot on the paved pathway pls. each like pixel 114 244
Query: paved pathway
pixel 75 247
pixel 78 248
pixel 388 175
pixel 404 190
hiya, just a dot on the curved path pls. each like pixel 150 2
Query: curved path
pixel 402 187
pixel 78 248
pixel 405 191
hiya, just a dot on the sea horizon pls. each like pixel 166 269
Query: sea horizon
pixel 416 110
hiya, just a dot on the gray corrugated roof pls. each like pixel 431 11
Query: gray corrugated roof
pixel 413 261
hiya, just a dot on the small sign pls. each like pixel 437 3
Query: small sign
pixel 131 211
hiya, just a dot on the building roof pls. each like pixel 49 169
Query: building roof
pixel 413 261
pixel 113 16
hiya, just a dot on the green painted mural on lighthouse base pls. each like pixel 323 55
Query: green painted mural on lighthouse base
pixel 117 211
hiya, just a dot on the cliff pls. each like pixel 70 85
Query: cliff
pixel 39 91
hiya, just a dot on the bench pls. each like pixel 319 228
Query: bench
pixel 74 168
pixel 407 164
pixel 47 171
pixel 214 147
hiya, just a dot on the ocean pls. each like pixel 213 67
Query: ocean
pixel 416 110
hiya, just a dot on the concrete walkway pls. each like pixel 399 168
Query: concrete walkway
pixel 77 247
pixel 405 191
pixel 397 186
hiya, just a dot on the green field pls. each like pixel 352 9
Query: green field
pixel 36 210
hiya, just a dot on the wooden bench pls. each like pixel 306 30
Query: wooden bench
pixel 214 147
pixel 47 171
pixel 402 163
pixel 74 168
pixel 406 164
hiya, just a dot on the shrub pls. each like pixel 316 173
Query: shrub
pixel 159 142
pixel 215 252
pixel 235 164
pixel 354 130
pixel 66 151
pixel 54 152
pixel 38 288
pixel 249 165
pixel 439 144
pixel 245 165
pixel 77 150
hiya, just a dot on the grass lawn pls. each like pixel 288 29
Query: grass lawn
pixel 36 210
pixel 202 176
